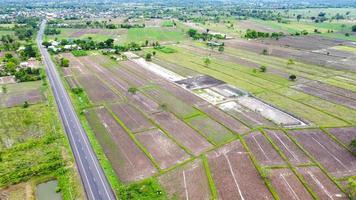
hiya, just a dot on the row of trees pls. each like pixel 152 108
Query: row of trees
pixel 253 34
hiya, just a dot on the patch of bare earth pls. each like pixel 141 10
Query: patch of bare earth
pixel 234 174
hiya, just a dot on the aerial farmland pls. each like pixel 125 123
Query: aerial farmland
pixel 178 104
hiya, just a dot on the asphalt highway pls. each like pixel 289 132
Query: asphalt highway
pixel 93 178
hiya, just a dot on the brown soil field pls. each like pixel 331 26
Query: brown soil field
pixel 130 77
pixel 22 191
pixel 72 82
pixel 84 31
pixel 144 103
pixel 131 117
pixel 344 135
pixel 290 150
pixel 333 89
pixel 17 99
pixel 105 74
pixel 287 185
pixel 246 116
pixel 187 182
pixel 332 97
pixel 336 159
pixel 76 66
pixel 320 183
pixel 182 132
pixel 311 42
pixel 128 161
pixel 234 175
pixel 224 118
pixel 162 148
pixel 96 89
pixel 262 150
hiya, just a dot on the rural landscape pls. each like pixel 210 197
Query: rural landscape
pixel 178 100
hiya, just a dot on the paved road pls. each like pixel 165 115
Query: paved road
pixel 94 180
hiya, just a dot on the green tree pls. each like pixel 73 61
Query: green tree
pixel 265 52
pixel 263 68
pixel 207 61
pixel 132 90
pixel 292 77
pixel 192 32
pixel 299 17
pixel 148 57
pixel 25 104
pixel 64 62
pixel 10 67
pixel 290 62
pixel 221 49
pixel 353 28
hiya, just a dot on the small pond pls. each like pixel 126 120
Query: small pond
pixel 47 191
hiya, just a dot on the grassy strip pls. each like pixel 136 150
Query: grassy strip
pixel 290 166
pixel 260 171
pixel 213 189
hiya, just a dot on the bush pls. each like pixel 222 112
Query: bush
pixel 25 104
pixel 263 68
pixel 148 57
pixel 132 90
pixel 292 77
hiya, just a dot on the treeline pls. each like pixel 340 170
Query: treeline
pixel 52 31
pixel 205 36
pixel 92 24
pixel 253 34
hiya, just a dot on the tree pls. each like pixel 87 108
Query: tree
pixel 263 68
pixel 109 43
pixel 154 53
pixel 46 44
pixel 25 104
pixel 148 57
pixel 8 55
pixel 353 143
pixel 207 61
pixel 4 89
pixel 10 67
pixel 265 52
pixel 353 28
pixel 192 32
pixel 64 62
pixel 292 77
pixel 290 62
pixel 132 90
pixel 221 49
pixel 299 17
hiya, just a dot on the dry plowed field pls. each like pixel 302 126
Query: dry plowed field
pixel 162 148
pixel 181 132
pixel 262 150
pixel 344 135
pixel 290 150
pixel 332 97
pixel 187 182
pixel 320 183
pixel 128 161
pixel 234 175
pixel 336 159
pixel 131 117
pixel 287 185
pixel 96 89
pixel 144 103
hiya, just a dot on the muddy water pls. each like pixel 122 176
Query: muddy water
pixel 47 191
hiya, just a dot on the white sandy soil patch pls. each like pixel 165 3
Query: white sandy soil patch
pixel 161 71
pixel 269 112
pixel 210 96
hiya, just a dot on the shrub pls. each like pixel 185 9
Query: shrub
pixel 292 77
pixel 132 90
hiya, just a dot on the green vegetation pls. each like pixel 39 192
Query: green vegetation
pixel 139 35
pixel 78 53
pixel 165 49
pixel 64 62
